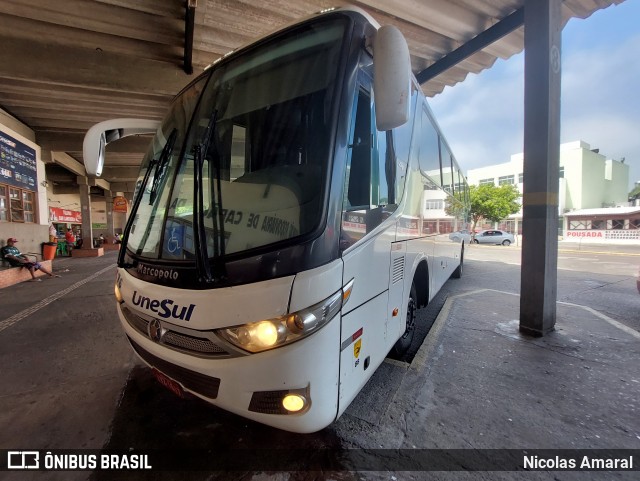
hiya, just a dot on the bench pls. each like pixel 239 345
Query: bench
pixel 10 275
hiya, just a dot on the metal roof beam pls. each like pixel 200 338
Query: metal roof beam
pixel 189 23
pixel 477 43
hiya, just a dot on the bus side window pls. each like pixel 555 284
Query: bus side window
pixel 359 172
pixel 447 167
pixel 428 155
pixel 401 147
pixel 356 217
pixel 370 186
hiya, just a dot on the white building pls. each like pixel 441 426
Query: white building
pixel 587 180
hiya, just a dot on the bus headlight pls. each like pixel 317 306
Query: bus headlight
pixel 272 333
pixel 117 293
pixel 261 335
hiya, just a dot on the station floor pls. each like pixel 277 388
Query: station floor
pixel 475 383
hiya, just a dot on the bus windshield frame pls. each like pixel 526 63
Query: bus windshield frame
pixel 255 135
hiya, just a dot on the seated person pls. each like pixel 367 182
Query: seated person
pixel 11 253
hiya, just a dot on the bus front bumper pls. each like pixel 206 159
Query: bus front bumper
pixel 254 386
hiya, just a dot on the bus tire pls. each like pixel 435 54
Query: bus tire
pixel 457 274
pixel 402 345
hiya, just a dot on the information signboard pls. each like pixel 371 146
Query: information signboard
pixel 17 163
pixel 120 204
pixel 57 214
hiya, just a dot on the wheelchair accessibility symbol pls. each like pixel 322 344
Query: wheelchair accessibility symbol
pixel 173 243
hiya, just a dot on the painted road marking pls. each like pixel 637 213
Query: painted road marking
pixel 432 340
pixel 45 302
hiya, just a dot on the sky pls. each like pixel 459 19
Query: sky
pixel 482 117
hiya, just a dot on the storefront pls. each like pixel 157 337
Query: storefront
pixel 64 219
pixel 616 224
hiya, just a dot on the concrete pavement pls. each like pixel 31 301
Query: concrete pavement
pixel 70 381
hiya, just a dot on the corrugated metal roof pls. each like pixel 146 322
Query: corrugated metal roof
pixel 68 64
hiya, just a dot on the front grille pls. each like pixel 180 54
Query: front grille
pixel 135 321
pixel 268 402
pixel 194 381
pixel 190 343
pixel 179 341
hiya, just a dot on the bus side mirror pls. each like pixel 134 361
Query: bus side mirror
pixel 98 136
pixel 391 78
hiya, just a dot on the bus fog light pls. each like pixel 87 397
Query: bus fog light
pixel 294 402
pixel 286 402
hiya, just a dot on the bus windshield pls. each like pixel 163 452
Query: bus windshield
pixel 252 138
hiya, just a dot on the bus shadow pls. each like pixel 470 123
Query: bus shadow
pixel 149 418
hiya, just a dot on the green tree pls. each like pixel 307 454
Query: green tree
pixel 492 203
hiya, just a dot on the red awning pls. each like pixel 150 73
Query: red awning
pixel 57 214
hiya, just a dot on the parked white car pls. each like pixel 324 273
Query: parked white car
pixel 494 237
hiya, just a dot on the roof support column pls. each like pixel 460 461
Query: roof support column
pixel 85 208
pixel 538 287
pixel 108 200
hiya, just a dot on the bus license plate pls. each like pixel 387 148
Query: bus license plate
pixel 170 384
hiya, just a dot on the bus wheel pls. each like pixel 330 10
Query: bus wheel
pixel 402 345
pixel 457 274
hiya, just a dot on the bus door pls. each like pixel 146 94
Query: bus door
pixel 366 239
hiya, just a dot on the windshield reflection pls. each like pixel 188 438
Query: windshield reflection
pixel 264 157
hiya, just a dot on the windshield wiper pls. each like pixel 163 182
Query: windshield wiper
pixel 202 255
pixel 199 233
pixel 161 166
pixel 216 209
pixel 218 218
pixel 162 159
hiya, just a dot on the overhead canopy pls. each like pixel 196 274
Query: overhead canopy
pixel 68 64
pixel 606 211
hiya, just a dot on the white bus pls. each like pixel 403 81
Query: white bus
pixel 279 243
